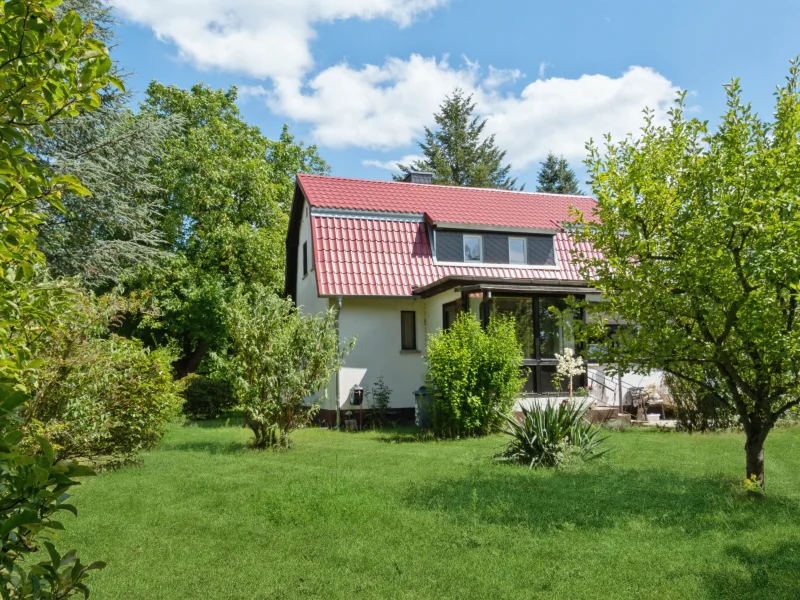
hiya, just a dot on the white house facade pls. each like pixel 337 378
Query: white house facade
pixel 398 261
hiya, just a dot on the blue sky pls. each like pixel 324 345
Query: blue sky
pixel 361 78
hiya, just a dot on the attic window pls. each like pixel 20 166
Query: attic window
pixel 517 254
pixel 473 248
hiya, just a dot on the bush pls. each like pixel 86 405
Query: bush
pixel 207 397
pixel 475 375
pixel 105 400
pixel 550 436
pixel 378 412
pixel 695 408
pixel 279 358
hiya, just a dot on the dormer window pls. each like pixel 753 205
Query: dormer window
pixel 517 251
pixel 473 248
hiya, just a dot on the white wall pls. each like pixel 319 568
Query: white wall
pixel 375 322
pixel 308 299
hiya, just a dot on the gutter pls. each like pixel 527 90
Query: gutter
pixel 338 344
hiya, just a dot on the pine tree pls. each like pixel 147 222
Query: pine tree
pixel 458 153
pixel 557 177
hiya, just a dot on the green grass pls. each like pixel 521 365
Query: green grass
pixel 352 516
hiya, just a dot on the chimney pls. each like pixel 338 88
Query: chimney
pixel 416 177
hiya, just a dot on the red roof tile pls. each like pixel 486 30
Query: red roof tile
pixel 445 204
pixel 397 258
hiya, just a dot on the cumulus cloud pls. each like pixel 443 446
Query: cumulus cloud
pixel 386 106
pixel 257 38
pixel 391 165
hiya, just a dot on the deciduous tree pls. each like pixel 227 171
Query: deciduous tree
pixel 699 232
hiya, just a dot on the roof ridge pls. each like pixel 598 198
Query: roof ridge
pixel 436 185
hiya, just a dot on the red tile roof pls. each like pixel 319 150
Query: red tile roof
pixel 356 256
pixel 445 204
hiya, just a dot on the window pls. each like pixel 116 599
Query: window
pixel 521 308
pixel 408 326
pixel 305 259
pixel 473 248
pixel 517 254
pixel 449 312
pixel 553 337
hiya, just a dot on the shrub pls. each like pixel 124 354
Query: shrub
pixel 378 412
pixel 551 435
pixel 207 397
pixel 279 358
pixel 695 409
pixel 475 375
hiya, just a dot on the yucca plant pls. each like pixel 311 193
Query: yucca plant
pixel 550 435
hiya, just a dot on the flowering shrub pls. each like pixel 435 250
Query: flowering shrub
pixel 569 367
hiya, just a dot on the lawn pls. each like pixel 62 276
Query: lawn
pixel 352 516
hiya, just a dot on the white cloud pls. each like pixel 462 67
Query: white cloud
pixel 256 37
pixel 388 106
pixel 543 68
pixel 391 165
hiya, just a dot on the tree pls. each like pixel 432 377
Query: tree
pixel 458 153
pixel 698 235
pixel 280 357
pixel 556 177
pixel 226 191
pixel 50 68
pixel 100 237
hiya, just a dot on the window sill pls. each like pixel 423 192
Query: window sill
pixel 411 351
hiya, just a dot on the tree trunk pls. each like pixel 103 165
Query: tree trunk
pixel 754 450
pixel 189 363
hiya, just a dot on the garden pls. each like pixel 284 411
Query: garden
pixel 353 515
pixel 155 381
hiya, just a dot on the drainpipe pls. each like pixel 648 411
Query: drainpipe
pixel 338 344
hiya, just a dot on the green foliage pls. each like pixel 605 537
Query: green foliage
pixel 708 265
pixel 33 489
pixel 50 68
pixel 695 408
pixel 207 397
pixel 458 153
pixel 225 190
pixel 33 95
pixel 380 401
pixel 280 357
pixel 101 397
pixel 556 176
pixel 551 435
pixel 474 373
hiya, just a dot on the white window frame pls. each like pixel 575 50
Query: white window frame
pixel 524 250
pixel 464 248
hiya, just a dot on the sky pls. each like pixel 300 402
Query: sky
pixel 362 78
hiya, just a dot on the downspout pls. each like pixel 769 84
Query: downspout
pixel 338 346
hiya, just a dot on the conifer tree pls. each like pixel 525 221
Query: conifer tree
pixel 458 153
pixel 557 177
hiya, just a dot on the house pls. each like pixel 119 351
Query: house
pixel 399 260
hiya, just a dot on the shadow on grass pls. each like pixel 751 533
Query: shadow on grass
pixel 599 497
pixel 209 447
pixel 770 573
pixel 232 419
